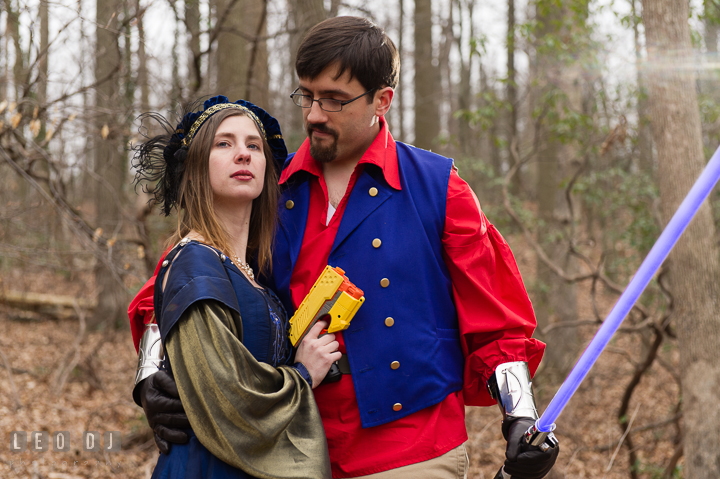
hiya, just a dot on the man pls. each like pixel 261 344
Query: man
pixel 446 319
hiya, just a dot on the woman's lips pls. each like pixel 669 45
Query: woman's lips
pixel 243 175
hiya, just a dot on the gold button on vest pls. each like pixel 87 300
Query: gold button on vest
pixel 289 204
pixel 389 321
pixel 373 191
pixel 384 282
pixel 397 406
pixel 395 364
pixel 376 243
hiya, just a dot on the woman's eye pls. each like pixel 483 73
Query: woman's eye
pixel 222 144
pixel 253 146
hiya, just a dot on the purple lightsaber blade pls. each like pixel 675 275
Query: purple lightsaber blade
pixel 680 220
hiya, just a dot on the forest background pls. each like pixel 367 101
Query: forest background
pixel 580 125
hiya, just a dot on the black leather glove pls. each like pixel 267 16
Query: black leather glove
pixel 164 411
pixel 523 460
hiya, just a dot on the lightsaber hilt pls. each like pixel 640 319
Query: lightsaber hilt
pixel 542 439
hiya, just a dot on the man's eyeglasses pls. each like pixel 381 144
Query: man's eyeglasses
pixel 327 104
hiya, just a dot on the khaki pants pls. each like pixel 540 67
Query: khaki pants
pixel 451 465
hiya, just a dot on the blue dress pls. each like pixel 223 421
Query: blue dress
pixel 202 280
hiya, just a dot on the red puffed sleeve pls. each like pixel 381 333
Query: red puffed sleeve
pixel 141 310
pixel 494 311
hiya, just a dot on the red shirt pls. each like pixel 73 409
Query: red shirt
pixel 485 278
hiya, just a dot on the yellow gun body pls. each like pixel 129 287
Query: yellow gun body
pixel 332 295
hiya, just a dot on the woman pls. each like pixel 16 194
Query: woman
pixel 225 336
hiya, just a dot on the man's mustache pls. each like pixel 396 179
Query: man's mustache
pixel 321 128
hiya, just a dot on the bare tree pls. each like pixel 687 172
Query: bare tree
pixel 695 271
pixel 427 78
pixel 556 96
pixel 109 165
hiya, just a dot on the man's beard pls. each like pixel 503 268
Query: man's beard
pixel 323 154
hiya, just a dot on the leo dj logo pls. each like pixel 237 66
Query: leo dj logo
pixel 62 441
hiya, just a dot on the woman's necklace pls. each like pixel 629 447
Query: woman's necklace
pixel 244 267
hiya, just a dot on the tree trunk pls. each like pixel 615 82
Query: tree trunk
pixel 427 84
pixel 109 164
pixel 695 271
pixel 142 72
pixel 555 300
pixel 192 25
pixel 400 91
pixel 645 146
pixel 239 43
pixel 304 14
pixel 13 30
pixel 43 60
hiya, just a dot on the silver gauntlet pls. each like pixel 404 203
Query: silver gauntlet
pixel 150 355
pixel 511 387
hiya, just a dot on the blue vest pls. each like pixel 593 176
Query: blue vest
pixel 423 337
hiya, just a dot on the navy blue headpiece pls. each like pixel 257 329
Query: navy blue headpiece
pixel 165 171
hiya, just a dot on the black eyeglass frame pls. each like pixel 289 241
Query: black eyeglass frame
pixel 295 94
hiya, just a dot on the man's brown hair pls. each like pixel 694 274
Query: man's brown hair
pixel 356 45
pixel 195 197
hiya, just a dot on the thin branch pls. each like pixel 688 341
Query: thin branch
pixel 16 396
pixel 622 439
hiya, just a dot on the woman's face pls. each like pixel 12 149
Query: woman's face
pixel 237 162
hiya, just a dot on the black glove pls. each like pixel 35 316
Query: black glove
pixel 164 411
pixel 523 460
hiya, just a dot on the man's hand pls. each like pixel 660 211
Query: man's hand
pixel 317 353
pixel 164 411
pixel 523 460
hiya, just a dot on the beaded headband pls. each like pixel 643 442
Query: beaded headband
pixel 214 109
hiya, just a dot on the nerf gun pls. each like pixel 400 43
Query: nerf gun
pixel 332 295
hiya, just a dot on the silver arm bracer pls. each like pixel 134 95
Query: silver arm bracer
pixel 150 355
pixel 511 387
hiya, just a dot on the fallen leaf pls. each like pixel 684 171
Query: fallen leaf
pixel 104 132
pixel 49 134
pixel 15 120
pixel 126 266
pixel 35 127
pixel 3 105
pixel 97 234
pixel 72 117
pixel 111 242
pixel 12 107
pixel 141 252
pixel 35 112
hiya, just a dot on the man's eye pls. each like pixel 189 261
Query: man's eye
pixel 331 102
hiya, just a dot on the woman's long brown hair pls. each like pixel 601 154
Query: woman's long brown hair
pixel 197 210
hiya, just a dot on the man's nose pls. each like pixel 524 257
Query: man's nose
pixel 316 114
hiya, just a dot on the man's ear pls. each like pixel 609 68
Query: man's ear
pixel 383 100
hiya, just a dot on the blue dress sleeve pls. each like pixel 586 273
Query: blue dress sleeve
pixel 195 273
